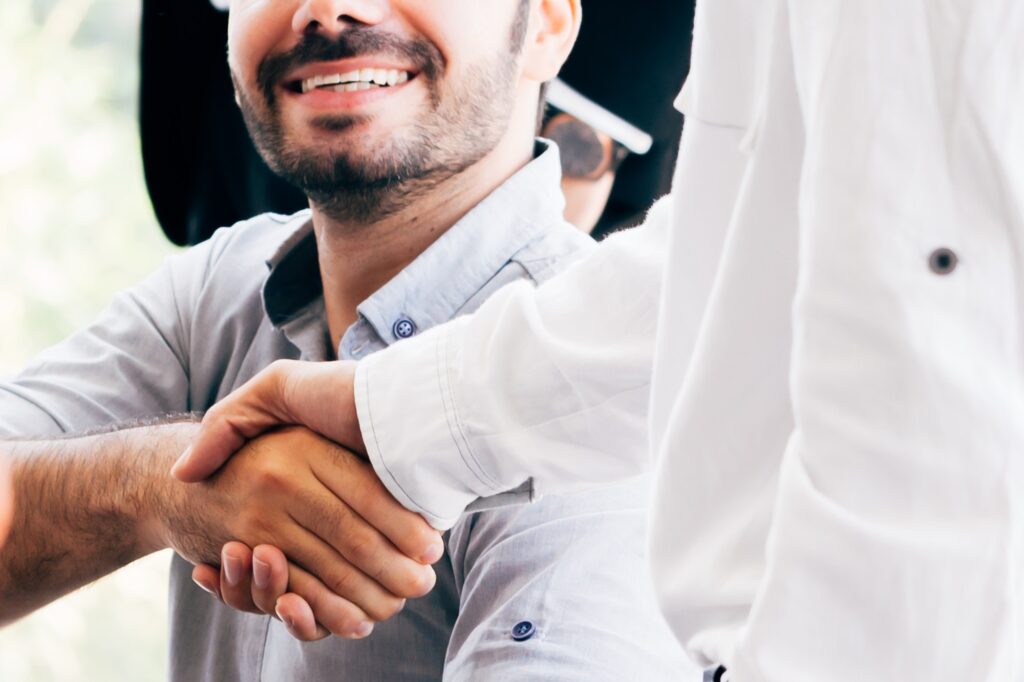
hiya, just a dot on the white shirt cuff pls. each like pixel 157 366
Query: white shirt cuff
pixel 412 432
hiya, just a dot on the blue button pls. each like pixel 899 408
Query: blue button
pixel 404 328
pixel 523 631
pixel 943 261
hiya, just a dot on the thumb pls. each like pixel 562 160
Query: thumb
pixel 251 410
pixel 317 395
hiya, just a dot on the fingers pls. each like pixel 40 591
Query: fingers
pixel 345 580
pixel 363 549
pixel 269 577
pixel 354 481
pixel 236 577
pixel 207 578
pixel 311 611
pixel 298 618
pixel 339 616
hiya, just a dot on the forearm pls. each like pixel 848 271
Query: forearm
pixel 84 508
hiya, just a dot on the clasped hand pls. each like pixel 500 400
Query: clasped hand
pixel 334 552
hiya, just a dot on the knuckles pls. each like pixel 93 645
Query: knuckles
pixel 424 537
pixel 415 582
pixel 344 583
pixel 271 477
pixel 385 609
pixel 271 464
pixel 363 549
pixel 253 525
pixel 342 625
pixel 426 581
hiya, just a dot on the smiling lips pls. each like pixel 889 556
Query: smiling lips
pixel 351 81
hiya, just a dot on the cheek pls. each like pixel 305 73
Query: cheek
pixel 242 51
pixel 463 30
pixel 255 30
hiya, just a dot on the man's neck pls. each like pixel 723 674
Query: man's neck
pixel 358 259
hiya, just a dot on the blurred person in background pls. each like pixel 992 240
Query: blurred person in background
pixel 617 130
pixel 428 191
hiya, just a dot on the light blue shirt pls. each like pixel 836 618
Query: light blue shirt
pixel 570 571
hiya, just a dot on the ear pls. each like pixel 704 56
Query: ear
pixel 554 26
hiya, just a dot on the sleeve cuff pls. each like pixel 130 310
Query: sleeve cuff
pixel 412 432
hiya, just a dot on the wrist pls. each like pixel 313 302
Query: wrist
pixel 160 495
pixel 321 396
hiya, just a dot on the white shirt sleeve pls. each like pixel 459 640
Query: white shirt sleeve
pixel 524 407
pixel 897 537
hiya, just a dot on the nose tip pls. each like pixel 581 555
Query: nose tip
pixel 334 16
pixel 307 21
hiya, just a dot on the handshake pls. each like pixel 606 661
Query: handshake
pixel 315 538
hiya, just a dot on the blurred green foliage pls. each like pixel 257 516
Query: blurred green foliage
pixel 75 222
pixel 75 226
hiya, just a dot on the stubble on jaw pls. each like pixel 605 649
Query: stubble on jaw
pixel 465 119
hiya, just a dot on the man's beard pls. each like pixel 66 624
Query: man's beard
pixel 462 124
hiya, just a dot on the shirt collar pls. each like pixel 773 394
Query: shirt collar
pixel 440 281
pixel 294 278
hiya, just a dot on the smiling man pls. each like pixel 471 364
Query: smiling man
pixel 410 127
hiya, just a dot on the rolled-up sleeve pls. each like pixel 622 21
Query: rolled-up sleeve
pixel 539 390
pixel 130 363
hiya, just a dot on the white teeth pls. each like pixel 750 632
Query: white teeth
pixel 344 82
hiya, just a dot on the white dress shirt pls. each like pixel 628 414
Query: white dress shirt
pixel 831 304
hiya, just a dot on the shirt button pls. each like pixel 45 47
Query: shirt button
pixel 404 328
pixel 523 631
pixel 943 261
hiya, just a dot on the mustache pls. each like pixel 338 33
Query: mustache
pixel 424 56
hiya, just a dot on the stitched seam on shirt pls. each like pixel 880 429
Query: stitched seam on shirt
pixel 452 413
pixel 21 395
pixel 147 315
pixel 263 651
pixel 383 461
pixel 182 330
